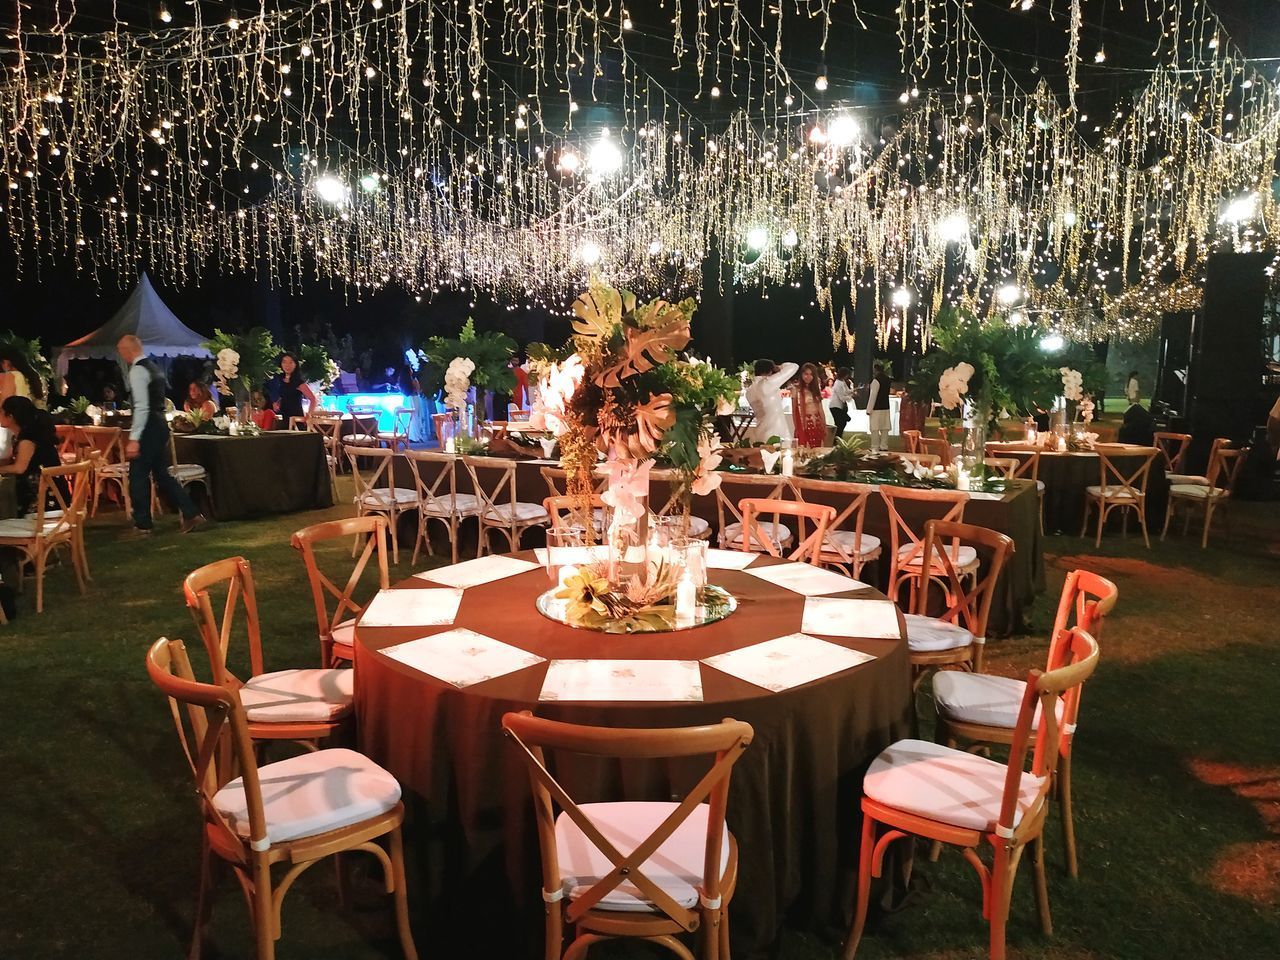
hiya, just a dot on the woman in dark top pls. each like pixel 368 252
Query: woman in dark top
pixel 291 389
pixel 35 446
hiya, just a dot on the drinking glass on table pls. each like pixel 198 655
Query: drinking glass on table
pixel 566 550
pixel 691 554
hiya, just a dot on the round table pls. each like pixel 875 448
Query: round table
pixel 1067 473
pixel 794 796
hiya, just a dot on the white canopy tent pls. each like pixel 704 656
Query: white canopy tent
pixel 145 316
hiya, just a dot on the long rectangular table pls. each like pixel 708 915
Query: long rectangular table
pixel 1015 513
pixel 279 472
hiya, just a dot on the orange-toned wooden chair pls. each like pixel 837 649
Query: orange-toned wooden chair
pixel 1173 447
pixel 979 708
pixel 921 459
pixel 566 511
pixel 499 508
pixel 397 438
pixel 1211 495
pixel 809 545
pixel 697 527
pixel 911 440
pixel 1007 467
pixel 295 811
pixel 373 470
pixel 939 447
pixel 112 465
pixel 1117 489
pixel 735 487
pixel 846 549
pixel 958 635
pixel 906 544
pixel 649 871
pixel 364 426
pixel 304 705
pixel 58 520
pixel 921 789
pixel 439 499
pixel 337 630
pixel 1028 468
pixel 68 450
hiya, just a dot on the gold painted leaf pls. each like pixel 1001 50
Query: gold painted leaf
pixel 660 330
pixel 598 311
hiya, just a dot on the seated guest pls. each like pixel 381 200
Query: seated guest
pixel 35 446
pixel 263 415
pixel 1138 427
pixel 199 398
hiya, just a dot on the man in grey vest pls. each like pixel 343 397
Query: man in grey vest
pixel 148 447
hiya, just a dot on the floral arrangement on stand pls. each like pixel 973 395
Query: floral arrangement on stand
pixel 318 368
pixel 618 388
pixel 489 353
pixel 244 362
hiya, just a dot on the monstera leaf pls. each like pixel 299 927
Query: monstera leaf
pixel 637 432
pixel 660 330
pixel 598 311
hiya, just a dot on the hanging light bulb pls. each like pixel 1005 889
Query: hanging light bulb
pixel 165 15
pixel 954 228
pixel 655 248
pixel 1008 293
pixel 757 238
pixel 330 189
pixel 1100 56
pixel 902 298
pixel 568 162
pixel 590 253
pixel 843 130
pixel 605 157
pixel 790 238
pixel 1052 343
pixel 233 21
pixel 820 83
pixel 369 183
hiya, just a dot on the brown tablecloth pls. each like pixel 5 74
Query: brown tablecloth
pixel 279 472
pixel 794 797
pixel 1015 513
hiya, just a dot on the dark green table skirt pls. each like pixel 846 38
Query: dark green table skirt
pixel 280 472
pixel 1066 476
pixel 8 497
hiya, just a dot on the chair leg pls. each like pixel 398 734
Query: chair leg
pixel 1102 519
pixel 1042 888
pixel 204 901
pixel 864 887
pixel 401 896
pixel 1067 814
pixel 1084 523
pixel 263 914
pixel 724 934
pixel 1168 515
pixel 1003 869
pixel 1208 519
pixel 39 565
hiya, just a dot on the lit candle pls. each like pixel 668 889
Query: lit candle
pixel 1062 444
pixel 1031 437
pixel 448 445
pixel 962 479
pixel 686 600
pixel 566 572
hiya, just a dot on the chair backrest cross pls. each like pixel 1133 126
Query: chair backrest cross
pixel 735 487
pixel 854 497
pixel 905 542
pixel 1124 481
pixel 235 576
pixel 968 604
pixel 1173 447
pixel 374 529
pixel 808 546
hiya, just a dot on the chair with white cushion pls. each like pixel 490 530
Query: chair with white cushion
pixel 1209 493
pixel 303 705
pixel 1173 447
pixel 373 470
pixel 58 520
pixel 566 512
pixel 692 525
pixel 293 812
pixel 906 540
pixel 557 481
pixel 436 476
pixel 188 473
pixel 847 547
pixel 112 465
pixel 920 789
pixel 650 871
pixel 757 537
pixel 979 708
pixel 365 422
pixel 1123 489
pixel 494 481
pixel 735 487
pixel 337 629
pixel 398 436
pixel 958 635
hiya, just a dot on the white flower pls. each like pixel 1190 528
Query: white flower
pixel 457 382
pixel 705 477
pixel 556 390
pixel 954 384
pixel 1072 382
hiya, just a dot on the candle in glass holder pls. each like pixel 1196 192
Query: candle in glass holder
pixel 962 478
pixel 1062 444
pixel 1032 436
pixel 686 600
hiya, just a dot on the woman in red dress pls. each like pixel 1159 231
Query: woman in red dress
pixel 806 408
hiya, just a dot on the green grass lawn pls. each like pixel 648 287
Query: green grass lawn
pixel 1177 766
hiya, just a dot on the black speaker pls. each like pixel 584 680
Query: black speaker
pixel 1226 360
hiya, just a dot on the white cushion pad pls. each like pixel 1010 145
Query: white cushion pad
pixel 961 557
pixel 24 528
pixel 381 499
pixel 927 634
pixel 1194 491
pixel 982 698
pixel 464 504
pixel 186 471
pixel 946 785
pixel 311 794
pixel 1187 478
pixel 732 534
pixel 676 866
pixel 847 538
pixel 1111 492
pixel 1040 487
pixel 344 636
pixel 298 696
pixel 516 513
pixel 113 470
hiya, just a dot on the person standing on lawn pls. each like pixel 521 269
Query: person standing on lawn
pixel 878 408
pixel 148 447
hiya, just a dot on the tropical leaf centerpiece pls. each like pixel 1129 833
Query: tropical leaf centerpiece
pixel 490 352
pixel 246 361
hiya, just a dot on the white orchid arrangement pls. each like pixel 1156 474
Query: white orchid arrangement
pixel 457 383
pixel 555 390
pixel 954 384
pixel 1085 409
pixel 228 370
pixel 1072 384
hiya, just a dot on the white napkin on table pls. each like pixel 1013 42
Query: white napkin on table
pixel 639 680
pixel 806 579
pixel 729 559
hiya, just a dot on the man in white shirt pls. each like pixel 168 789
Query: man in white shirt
pixel 841 397
pixel 764 393
pixel 148 447
pixel 878 408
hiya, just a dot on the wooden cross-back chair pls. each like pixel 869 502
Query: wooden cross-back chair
pixel 906 543
pixel 911 790
pixel 557 481
pixel 1007 467
pixel 566 511
pixel 57 521
pixel 296 811
pixel 958 635
pixel 673 507
pixel 1172 447
pixel 188 473
pixel 68 448
pixel 1119 488
pixel 735 487
pixel 1208 494
pixel 438 498
pixel 364 425
pixel 625 872
pixel 373 471
pixel 911 440
pixel 756 538
pixel 328 423
pixel 939 447
pixel 494 481
pixel 439 423
pixel 337 629
pixel 304 705
pixel 112 466
pixel 978 708
pixel 921 459
pixel 397 438
pixel 846 547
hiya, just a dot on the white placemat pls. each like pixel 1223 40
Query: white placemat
pixel 806 579
pixel 472 573
pixel 835 617
pixel 729 559
pixel 412 608
pixel 461 657
pixel 787 662
pixel 650 680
